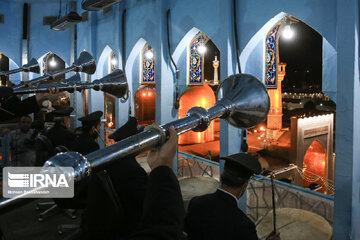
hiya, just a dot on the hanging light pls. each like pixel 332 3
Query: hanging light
pixel 149 54
pixel 52 62
pixel 287 33
pixel 201 48
pixel 113 61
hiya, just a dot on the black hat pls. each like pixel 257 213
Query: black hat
pixel 6 92
pixel 63 112
pixel 241 166
pixel 126 130
pixel 91 118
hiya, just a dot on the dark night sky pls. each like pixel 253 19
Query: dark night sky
pixel 302 53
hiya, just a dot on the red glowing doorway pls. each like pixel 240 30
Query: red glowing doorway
pixel 199 143
pixel 145 99
pixel 314 166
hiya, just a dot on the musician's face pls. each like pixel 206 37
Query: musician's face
pixel 25 124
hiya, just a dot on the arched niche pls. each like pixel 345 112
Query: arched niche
pixel 202 71
pixel 314 167
pixel 261 58
pixel 7 64
pixel 100 101
pixel 252 57
pixel 183 51
pixel 145 105
pixel 145 96
pixel 51 62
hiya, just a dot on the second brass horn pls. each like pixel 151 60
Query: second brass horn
pixel 84 63
pixel 241 99
pixel 31 66
pixel 113 83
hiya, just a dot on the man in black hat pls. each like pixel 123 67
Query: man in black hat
pixel 86 143
pixel 60 134
pixel 216 215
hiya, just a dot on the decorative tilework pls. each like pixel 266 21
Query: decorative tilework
pixel 271 57
pixel 148 66
pixel 196 67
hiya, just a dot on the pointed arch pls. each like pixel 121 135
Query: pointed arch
pixel 252 57
pixel 103 64
pixel 132 72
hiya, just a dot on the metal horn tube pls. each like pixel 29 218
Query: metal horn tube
pixel 85 63
pixel 241 99
pixel 113 83
pixel 32 66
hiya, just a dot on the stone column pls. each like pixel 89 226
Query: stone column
pixel 274 120
pixel 216 73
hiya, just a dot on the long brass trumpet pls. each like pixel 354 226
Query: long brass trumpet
pixel 113 83
pixel 241 99
pixel 85 63
pixel 31 66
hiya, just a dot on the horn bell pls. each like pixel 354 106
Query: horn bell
pixel 114 83
pixel 32 66
pixel 85 63
pixel 249 97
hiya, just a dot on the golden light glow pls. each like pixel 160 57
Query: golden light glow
pixel 202 96
pixel 314 165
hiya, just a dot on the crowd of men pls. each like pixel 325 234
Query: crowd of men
pixel 122 201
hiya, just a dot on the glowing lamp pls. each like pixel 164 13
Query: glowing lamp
pixel 201 49
pixel 287 33
pixel 52 62
pixel 113 61
pixel 149 93
pixel 149 54
pixel 144 94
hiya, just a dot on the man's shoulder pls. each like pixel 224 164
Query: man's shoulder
pixel 203 201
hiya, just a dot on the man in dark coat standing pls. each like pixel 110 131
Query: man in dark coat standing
pixel 216 215
pixel 60 133
pixel 116 195
pixel 86 143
